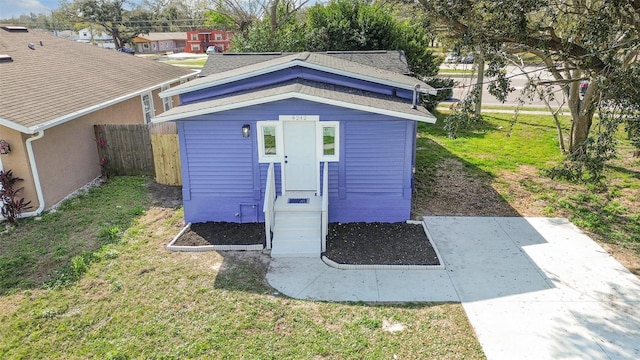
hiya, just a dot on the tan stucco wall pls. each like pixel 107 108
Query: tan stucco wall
pixel 67 156
pixel 175 100
pixel 18 161
pixel 157 102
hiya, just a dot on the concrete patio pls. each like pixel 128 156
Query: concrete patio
pixel 532 288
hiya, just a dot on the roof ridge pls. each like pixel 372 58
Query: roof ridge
pixel 303 56
pixel 356 51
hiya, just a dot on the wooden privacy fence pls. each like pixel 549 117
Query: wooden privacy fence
pixel 140 150
pixel 166 153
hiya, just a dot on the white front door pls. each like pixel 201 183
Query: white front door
pixel 300 162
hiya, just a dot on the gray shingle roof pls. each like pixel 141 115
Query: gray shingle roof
pixel 159 36
pixel 304 89
pixel 61 78
pixel 391 60
pixel 314 60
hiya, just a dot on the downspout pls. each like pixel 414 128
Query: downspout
pixel 416 88
pixel 36 176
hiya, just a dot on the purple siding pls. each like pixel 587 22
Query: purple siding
pixel 222 178
pixel 371 183
pixel 288 74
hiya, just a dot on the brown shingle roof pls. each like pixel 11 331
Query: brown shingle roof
pixel 315 60
pixel 391 60
pixel 304 89
pixel 61 79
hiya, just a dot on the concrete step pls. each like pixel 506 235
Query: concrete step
pixel 296 249
pixel 298 224
pixel 296 232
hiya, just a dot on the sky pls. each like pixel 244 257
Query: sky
pixel 15 8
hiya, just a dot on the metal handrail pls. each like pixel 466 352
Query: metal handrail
pixel 269 204
pixel 325 205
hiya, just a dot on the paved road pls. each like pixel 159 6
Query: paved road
pixel 518 81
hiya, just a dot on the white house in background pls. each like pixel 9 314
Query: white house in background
pixel 95 36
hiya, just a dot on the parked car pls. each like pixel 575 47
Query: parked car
pixel 452 58
pixel 211 50
pixel 467 59
pixel 584 85
pixel 127 50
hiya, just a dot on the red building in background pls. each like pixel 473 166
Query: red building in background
pixel 199 40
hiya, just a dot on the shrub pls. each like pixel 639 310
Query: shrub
pixel 12 206
pixel 445 91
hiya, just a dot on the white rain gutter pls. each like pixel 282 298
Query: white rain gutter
pixel 36 176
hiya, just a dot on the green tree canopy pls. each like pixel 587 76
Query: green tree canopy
pixel 289 33
pixel 348 25
pixel 117 17
pixel 576 40
pixel 370 25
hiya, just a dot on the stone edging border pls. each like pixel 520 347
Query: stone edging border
pixel 204 248
pixel 336 265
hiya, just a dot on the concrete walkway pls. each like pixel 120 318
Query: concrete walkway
pixel 532 288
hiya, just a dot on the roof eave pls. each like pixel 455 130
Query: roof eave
pixel 12 125
pixel 76 114
pixel 287 65
pixel 294 95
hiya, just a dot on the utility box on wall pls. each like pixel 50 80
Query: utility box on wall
pixel 248 212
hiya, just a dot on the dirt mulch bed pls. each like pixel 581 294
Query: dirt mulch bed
pixel 348 243
pixel 379 244
pixel 222 233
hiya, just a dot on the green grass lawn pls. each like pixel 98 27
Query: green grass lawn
pixel 41 250
pixel 502 148
pixel 455 72
pixel 94 280
pixel 500 144
pixel 191 63
pixel 127 297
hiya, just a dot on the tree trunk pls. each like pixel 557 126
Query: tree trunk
pixel 274 15
pixel 582 110
pixel 116 37
pixel 480 82
pixel 580 127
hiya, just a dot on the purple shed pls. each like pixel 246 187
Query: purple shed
pixel 297 141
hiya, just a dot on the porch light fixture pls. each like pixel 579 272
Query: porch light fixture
pixel 4 147
pixel 246 130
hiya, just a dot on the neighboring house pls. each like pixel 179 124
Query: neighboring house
pixel 53 91
pixel 291 139
pixel 164 42
pixel 94 36
pixel 66 34
pixel 199 40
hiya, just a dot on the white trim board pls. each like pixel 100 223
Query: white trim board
pixel 293 95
